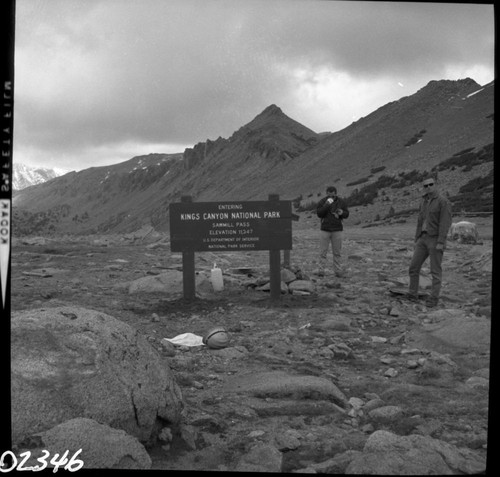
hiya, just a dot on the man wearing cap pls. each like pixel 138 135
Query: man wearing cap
pixel 433 223
pixel 332 210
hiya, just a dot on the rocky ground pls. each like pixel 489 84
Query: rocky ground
pixel 308 383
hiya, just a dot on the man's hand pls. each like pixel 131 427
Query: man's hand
pixel 329 200
pixel 339 212
pixel 440 246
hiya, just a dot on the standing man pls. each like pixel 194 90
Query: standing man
pixel 434 221
pixel 331 210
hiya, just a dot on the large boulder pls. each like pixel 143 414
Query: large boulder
pixel 386 453
pixel 100 446
pixel 464 232
pixel 70 362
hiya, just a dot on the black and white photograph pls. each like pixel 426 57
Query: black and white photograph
pixel 247 236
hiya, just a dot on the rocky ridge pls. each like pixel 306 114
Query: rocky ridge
pixel 272 154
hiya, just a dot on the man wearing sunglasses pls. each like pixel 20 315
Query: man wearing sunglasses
pixel 433 223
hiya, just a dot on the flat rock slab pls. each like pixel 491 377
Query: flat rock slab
pixel 291 407
pixel 335 323
pixel 403 291
pixel 44 272
pixel 277 384
pixel 170 282
pixel 302 285
pixel 454 329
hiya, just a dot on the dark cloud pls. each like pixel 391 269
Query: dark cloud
pixel 94 74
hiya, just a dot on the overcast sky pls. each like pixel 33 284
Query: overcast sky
pixel 98 82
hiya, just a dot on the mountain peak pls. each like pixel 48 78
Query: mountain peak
pixel 461 86
pixel 271 111
pixel 272 115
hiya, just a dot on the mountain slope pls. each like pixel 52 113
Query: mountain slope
pixel 443 113
pixel 271 154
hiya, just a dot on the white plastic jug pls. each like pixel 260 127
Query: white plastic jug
pixel 216 279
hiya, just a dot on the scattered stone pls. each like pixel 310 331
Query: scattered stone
pixel 326 352
pixel 34 241
pixel 305 470
pixel 337 464
pixel 38 274
pixel 168 348
pixel 483 372
pixel 301 285
pixel 412 364
pixel 165 435
pixel 394 311
pixel 335 323
pixel 373 404
pixel 267 287
pixel 405 351
pixel 356 403
pixel 287 276
pixel 289 440
pixel 443 359
pixel 391 373
pixel 188 435
pixel 428 428
pixel 477 382
pixel 378 339
pixel 386 413
pixel 387 360
pixel 395 340
pixel 233 352
pixel 300 292
pixel 261 458
pixel 341 350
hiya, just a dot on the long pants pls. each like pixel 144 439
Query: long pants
pixel 426 247
pixel 335 239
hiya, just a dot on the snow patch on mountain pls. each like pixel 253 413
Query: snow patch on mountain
pixel 26 176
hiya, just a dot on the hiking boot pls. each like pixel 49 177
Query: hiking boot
pixel 412 298
pixel 431 302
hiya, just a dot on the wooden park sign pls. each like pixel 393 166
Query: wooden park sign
pixel 231 226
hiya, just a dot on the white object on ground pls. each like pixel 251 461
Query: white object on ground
pixel 216 278
pixel 186 339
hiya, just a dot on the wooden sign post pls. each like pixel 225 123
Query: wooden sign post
pixel 275 263
pixel 231 226
pixel 188 274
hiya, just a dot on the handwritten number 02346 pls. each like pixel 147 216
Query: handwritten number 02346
pixel 72 465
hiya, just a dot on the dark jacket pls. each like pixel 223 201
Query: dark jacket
pixel 325 212
pixel 439 218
